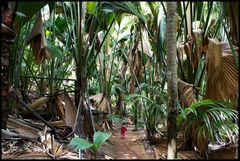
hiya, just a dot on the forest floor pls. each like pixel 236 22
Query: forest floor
pixel 134 146
pixel 129 148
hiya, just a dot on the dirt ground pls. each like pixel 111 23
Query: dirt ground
pixel 128 148
pixel 136 146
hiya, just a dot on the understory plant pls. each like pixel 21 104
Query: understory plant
pixel 99 138
pixel 207 119
pixel 153 113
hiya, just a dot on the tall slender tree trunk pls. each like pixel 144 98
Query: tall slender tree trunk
pixel 82 127
pixel 79 95
pixel 8 37
pixel 172 81
pixel 120 103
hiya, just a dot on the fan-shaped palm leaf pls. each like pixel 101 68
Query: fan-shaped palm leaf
pixel 222 73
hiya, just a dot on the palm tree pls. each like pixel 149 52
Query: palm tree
pixel 212 65
pixel 8 37
pixel 172 81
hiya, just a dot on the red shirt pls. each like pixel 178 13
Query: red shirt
pixel 123 129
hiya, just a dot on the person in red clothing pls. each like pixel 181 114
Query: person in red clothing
pixel 123 131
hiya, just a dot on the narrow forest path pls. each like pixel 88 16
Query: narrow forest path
pixel 129 148
pixel 136 146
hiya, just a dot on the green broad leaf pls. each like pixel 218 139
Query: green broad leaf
pixel 99 138
pixel 110 17
pixel 60 24
pixel 187 110
pixel 118 89
pixel 127 98
pixel 126 23
pixel 181 116
pixel 55 51
pixel 124 7
pixel 202 103
pixel 193 110
pixel 91 7
pixel 151 6
pixel 79 144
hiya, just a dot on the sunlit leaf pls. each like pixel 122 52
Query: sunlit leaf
pixel 99 138
pixel 126 7
pixel 39 102
pixel 91 6
pixel 79 144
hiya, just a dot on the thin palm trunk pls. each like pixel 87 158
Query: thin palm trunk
pixel 8 37
pixel 172 81
pixel 120 103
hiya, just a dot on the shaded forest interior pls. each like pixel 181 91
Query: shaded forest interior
pixel 74 72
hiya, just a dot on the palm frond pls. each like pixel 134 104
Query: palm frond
pixel 187 93
pixel 222 73
pixel 125 7
pixel 205 118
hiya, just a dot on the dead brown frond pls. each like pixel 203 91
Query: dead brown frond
pixel 187 96
pixel 96 98
pixel 50 145
pixel 39 102
pixel 60 107
pixel 100 102
pixel 38 41
pixel 145 46
pixel 60 124
pixel 70 110
pixel 222 73
pixel 187 93
pixel 22 128
pixel 193 48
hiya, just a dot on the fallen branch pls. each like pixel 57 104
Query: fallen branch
pixel 8 134
pixel 14 94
